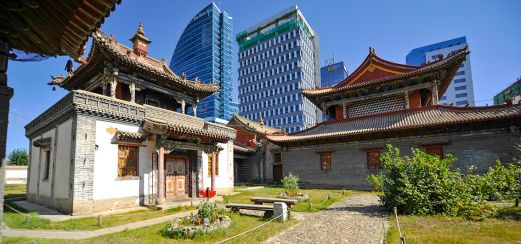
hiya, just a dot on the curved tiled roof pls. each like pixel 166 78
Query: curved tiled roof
pixel 255 126
pixel 376 70
pixel 424 117
pixel 103 45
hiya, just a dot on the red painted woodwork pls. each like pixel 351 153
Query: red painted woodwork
pixel 415 99
pixel 245 137
pixel 339 112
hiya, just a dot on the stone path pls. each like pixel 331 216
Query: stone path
pixel 77 235
pixel 355 219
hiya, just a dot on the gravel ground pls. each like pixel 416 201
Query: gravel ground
pixel 355 219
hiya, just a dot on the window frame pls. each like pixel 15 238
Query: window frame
pixel 47 164
pixel 370 164
pixel 216 164
pixel 121 170
pixel 326 165
pixel 429 150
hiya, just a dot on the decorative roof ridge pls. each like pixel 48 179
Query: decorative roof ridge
pixel 386 78
pixel 112 45
pixel 403 111
pixel 248 123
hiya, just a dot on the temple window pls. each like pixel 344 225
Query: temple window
pixel 373 159
pixel 325 160
pixel 47 164
pixel 128 157
pixel 210 164
pixel 122 92
pixel 277 157
pixel 436 150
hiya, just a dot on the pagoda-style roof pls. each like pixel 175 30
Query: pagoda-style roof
pixel 375 71
pixel 107 49
pixel 430 119
pixel 252 126
pixel 58 27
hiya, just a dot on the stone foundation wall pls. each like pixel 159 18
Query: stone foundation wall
pixel 59 204
pixel 349 169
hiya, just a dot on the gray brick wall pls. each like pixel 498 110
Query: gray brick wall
pixel 83 165
pixel 349 160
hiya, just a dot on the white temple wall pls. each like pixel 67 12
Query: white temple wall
pixel 63 160
pixel 107 184
pixel 224 179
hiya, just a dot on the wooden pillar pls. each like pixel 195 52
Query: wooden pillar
pixel 183 105
pixel 5 96
pixel 214 163
pixel 344 110
pixel 114 83
pixel 161 198
pixel 194 106
pixel 406 100
pixel 132 88
pixel 434 92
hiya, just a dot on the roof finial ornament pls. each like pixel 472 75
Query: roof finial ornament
pixel 140 29
pixel 197 80
pixel 261 121
pixel 183 76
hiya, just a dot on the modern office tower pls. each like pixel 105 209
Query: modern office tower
pixel 512 93
pixel 332 73
pixel 204 51
pixel 277 59
pixel 461 89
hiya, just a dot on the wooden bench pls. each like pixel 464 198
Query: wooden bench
pixel 261 200
pixel 235 207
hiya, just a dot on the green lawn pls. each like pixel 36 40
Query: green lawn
pixel 16 220
pixel 240 223
pixel 318 197
pixel 439 229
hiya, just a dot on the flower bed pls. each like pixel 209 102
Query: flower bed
pixel 208 218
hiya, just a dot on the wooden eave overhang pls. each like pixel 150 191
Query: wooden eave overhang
pixel 59 27
pixel 391 77
pixel 408 122
pixel 252 127
pixel 107 49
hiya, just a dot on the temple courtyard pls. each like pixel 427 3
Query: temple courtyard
pixel 329 216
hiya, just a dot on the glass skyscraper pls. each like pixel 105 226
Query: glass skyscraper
pixel 277 59
pixel 204 51
pixel 333 73
pixel 461 89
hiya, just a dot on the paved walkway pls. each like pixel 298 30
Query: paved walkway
pixel 77 235
pixel 355 219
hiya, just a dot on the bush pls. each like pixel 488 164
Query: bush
pixel 290 183
pixel 426 184
pixel 376 182
pixel 18 157
pixel 208 212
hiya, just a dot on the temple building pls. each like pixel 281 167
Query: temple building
pixel 255 158
pixel 382 103
pixel 116 140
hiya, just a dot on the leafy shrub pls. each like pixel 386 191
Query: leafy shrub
pixel 376 182
pixel 426 184
pixel 291 185
pixel 18 157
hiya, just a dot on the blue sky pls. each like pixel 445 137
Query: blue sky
pixel 345 28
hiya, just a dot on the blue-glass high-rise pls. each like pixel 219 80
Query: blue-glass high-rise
pixel 204 50
pixel 332 74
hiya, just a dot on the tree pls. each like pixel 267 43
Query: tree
pixel 18 157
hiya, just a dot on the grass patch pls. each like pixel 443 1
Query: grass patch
pixel 17 221
pixel 14 191
pixel 240 223
pixel 318 197
pixel 441 229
